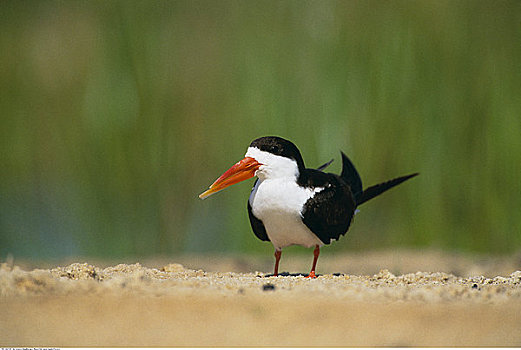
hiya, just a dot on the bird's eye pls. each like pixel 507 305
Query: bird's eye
pixel 274 149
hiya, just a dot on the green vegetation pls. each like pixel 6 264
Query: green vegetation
pixel 116 115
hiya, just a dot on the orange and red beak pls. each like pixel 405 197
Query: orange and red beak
pixel 243 170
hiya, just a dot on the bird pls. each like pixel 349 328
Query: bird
pixel 290 204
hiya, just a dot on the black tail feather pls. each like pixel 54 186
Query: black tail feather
pixel 373 191
pixel 323 166
pixel 350 174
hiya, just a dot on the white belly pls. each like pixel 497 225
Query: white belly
pixel 278 204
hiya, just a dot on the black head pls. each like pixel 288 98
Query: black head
pixel 280 147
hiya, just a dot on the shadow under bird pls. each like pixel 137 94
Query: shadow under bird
pixel 293 205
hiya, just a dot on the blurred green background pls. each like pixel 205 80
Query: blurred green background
pixel 115 115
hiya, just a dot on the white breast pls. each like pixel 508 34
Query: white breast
pixel 278 204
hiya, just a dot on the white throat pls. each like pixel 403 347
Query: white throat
pixel 273 166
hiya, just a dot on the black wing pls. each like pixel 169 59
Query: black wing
pixel 256 225
pixel 376 190
pixel 328 214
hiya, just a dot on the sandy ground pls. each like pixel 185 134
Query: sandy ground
pixel 211 301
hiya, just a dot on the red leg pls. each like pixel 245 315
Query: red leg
pixel 278 253
pixel 316 252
